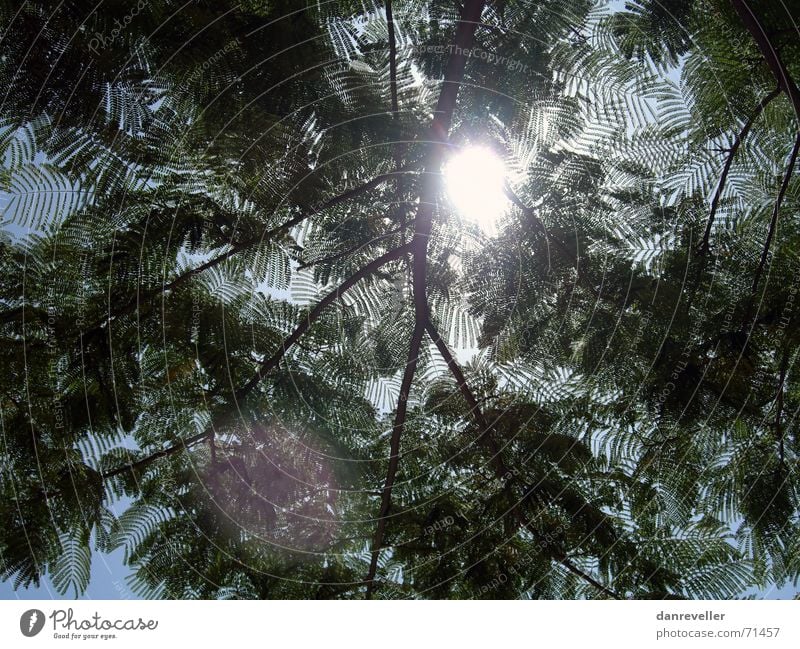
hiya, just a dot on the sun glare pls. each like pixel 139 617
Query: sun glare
pixel 474 178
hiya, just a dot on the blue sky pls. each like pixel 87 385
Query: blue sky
pixel 107 582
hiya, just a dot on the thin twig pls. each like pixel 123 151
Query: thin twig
pixel 704 245
pixel 139 464
pixel 770 54
pixel 588 578
pixel 349 251
pixel 475 409
pixel 273 361
pixel 774 221
pixel 530 214
pixel 501 470
pixel 133 304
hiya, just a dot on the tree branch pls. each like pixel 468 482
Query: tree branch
pixel 530 214
pixel 133 304
pixel 770 54
pixel 454 74
pixel 501 471
pixel 588 578
pixel 423 222
pixel 526 210
pixel 12 314
pixel 704 245
pixel 422 228
pixel 392 58
pixel 139 464
pixel 349 251
pixel 474 407
pixel 394 454
pixel 774 222
pixel 273 361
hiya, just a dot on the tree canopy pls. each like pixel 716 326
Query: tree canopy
pixel 247 336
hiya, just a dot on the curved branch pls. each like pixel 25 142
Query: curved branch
pixel 271 362
pixel 770 54
pixel 475 410
pixel 774 222
pixel 704 245
pixel 530 214
pixel 588 578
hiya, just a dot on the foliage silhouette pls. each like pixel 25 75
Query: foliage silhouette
pixel 234 295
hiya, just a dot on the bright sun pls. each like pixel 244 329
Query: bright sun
pixel 474 178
